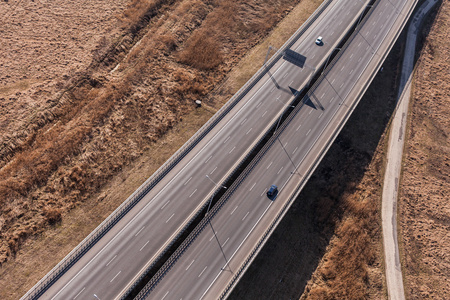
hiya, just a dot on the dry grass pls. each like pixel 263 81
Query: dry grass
pixel 202 52
pixel 134 109
pixel 52 174
pixel 133 18
pixel 19 275
pixel 328 246
pixel 424 205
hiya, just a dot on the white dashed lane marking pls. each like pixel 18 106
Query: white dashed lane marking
pixel 188 181
pixel 280 170
pixel 191 194
pixel 139 231
pixel 190 265
pixel 79 293
pixel 213 170
pixel 165 295
pixel 170 218
pixel 202 271
pixel 115 276
pixel 144 246
pixel 111 260
pixel 165 204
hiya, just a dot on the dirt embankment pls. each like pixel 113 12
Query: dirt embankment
pixel 71 120
pixel 45 46
pixel 424 205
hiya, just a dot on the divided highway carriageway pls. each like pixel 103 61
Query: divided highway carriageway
pixel 109 261
pixel 216 254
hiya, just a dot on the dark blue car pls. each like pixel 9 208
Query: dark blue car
pixel 272 191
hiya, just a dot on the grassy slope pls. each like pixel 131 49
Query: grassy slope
pixel 424 205
pixel 328 246
pixel 131 121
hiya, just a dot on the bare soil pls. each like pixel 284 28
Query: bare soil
pixel 79 135
pixel 424 205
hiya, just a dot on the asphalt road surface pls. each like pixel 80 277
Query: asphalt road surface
pixel 114 263
pixel 217 254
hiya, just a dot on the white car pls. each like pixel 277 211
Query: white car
pixel 319 41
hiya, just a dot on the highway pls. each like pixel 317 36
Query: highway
pixel 216 258
pixel 112 265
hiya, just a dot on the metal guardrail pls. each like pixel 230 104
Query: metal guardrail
pixel 257 76
pixel 216 208
pixel 173 259
pixel 70 259
pixel 295 194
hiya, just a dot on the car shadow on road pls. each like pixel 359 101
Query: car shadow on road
pixel 286 263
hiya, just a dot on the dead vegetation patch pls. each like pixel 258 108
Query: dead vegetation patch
pixel 61 154
pixel 328 246
pixel 424 205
